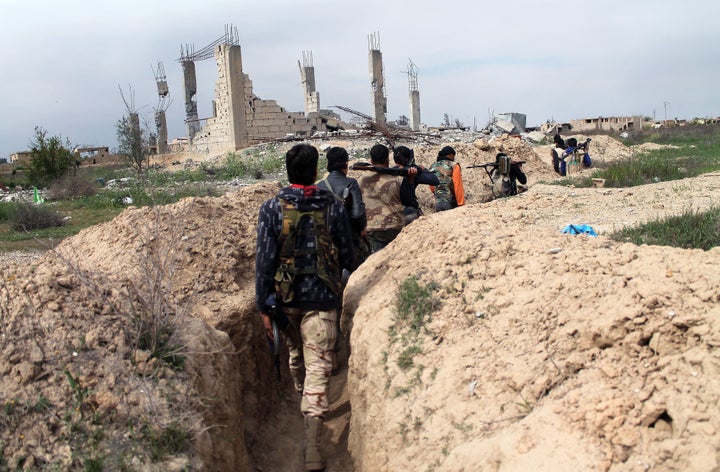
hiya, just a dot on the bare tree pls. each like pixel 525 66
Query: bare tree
pixel 134 142
pixel 446 120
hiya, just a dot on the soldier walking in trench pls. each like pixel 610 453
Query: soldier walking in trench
pixel 304 241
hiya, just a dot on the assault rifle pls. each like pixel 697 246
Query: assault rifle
pixel 488 165
pixel 491 166
pixel 380 169
pixel 280 323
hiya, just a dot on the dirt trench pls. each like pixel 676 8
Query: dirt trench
pixel 278 444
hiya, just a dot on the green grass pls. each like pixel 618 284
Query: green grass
pixel 691 230
pixel 155 188
pixel 171 440
pixel 83 212
pixel 414 304
pixel 249 164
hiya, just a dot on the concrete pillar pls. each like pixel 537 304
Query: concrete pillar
pixel 191 110
pixel 162 134
pixel 378 87
pixel 236 96
pixel 307 76
pixel 415 110
pixel 312 98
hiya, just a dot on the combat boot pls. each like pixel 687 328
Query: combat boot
pixel 313 458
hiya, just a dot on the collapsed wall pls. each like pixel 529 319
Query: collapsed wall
pixel 240 118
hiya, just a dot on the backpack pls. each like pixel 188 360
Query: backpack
pixel 306 248
pixel 362 246
pixel 502 185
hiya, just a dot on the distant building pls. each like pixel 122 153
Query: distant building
pixel 95 155
pixel 20 158
pixel 610 123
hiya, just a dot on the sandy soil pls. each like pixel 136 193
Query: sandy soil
pixel 546 352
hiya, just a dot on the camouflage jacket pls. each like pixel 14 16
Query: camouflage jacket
pixel 383 207
pixel 443 169
pixel 310 291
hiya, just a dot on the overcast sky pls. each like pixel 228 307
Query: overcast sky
pixel 63 61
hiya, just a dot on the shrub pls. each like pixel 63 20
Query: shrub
pixel 49 158
pixel 28 217
pixel 71 186
pixel 133 141
pixel 6 210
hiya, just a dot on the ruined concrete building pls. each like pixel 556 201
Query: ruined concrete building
pixel 610 123
pixel 240 118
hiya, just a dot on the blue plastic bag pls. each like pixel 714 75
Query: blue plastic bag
pixel 579 229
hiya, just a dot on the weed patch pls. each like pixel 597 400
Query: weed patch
pixel 414 305
pixel 170 440
pixel 72 186
pixel 690 230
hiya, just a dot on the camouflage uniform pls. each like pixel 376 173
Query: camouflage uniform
pixel 444 198
pixel 383 207
pixel 311 356
pixel 313 308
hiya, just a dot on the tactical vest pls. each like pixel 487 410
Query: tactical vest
pixel 443 170
pixel 306 248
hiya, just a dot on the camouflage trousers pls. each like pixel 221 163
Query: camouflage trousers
pixel 311 356
pixel 380 239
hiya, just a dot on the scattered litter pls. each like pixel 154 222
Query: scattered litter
pixel 555 250
pixel 579 229
pixel 37 197
pixel 471 387
pixel 480 314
